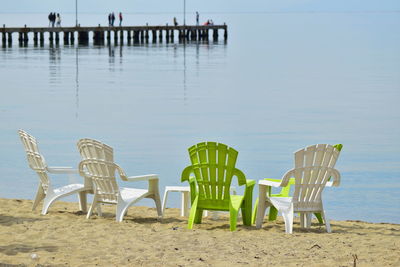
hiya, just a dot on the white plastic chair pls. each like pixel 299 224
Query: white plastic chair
pixel 313 171
pixel 98 164
pixel 45 191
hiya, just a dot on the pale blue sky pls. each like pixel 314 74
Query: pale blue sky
pixel 203 6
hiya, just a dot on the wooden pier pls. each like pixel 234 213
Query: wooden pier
pixel 100 35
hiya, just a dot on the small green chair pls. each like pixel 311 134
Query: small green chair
pixel 213 166
pixel 273 212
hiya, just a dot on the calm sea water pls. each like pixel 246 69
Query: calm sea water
pixel 280 83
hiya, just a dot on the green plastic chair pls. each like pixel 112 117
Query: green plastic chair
pixel 213 166
pixel 273 212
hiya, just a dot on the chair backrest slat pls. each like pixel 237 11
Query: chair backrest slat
pixel 35 160
pixel 212 159
pixel 222 154
pixel 313 168
pixel 213 164
pixel 100 167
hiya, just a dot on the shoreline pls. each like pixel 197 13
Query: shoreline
pixel 65 237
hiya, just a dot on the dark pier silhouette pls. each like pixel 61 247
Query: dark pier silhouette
pixel 118 34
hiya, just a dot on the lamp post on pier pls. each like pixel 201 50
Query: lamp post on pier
pixel 184 12
pixel 76 13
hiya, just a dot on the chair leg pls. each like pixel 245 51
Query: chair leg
pixel 121 210
pixel 82 201
pixel 261 213
pixel 98 208
pixel 40 195
pixel 164 203
pixel 48 201
pixel 157 200
pixel 326 220
pixel 246 212
pixel 94 204
pixel 273 213
pixel 261 206
pixel 308 219
pixel 185 201
pixel 288 218
pixel 193 211
pixel 233 218
pixel 199 216
pixel 319 217
pixel 254 213
pixel 303 222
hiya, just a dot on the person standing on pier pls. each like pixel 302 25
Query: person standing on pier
pixel 197 18
pixel 50 18
pixel 120 19
pixel 112 19
pixel 109 19
pixel 175 22
pixel 53 19
pixel 58 20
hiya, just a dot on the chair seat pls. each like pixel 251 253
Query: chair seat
pixel 129 194
pixel 281 203
pixel 68 189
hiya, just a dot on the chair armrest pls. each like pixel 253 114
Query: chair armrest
pixel 336 178
pixel 250 183
pixel 249 188
pixel 146 177
pixel 192 180
pixel 270 183
pixel 240 176
pixel 193 188
pixel 185 176
pixel 62 170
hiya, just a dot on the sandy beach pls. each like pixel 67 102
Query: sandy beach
pixel 64 237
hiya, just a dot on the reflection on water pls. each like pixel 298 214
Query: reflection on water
pixel 77 80
pixel 184 74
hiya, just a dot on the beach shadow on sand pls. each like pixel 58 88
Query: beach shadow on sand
pixel 6 220
pixel 14 249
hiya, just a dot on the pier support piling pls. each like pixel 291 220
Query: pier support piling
pixel 4 37
pixel 167 35
pixel 142 36
pixel 26 38
pixel 35 38
pixel 108 36
pixel 9 38
pixel 116 37
pixel 83 37
pixel 51 38
pixel 72 37
pixel 20 38
pixel 215 34
pixel 160 35
pixel 121 37
pixel 57 37
pixel 66 37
